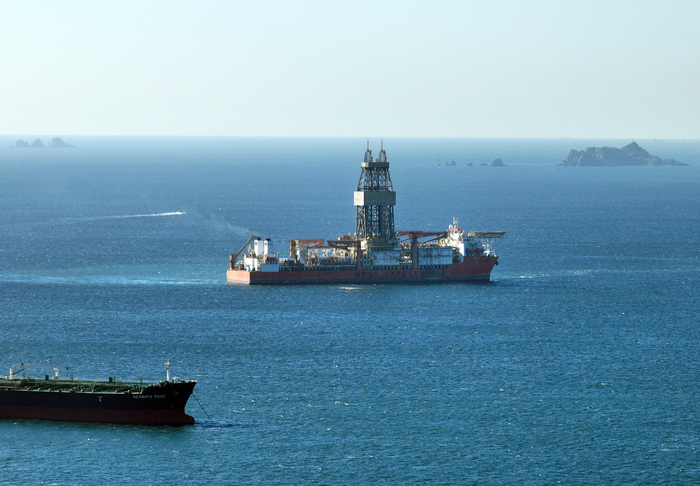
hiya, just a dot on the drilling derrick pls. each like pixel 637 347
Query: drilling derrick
pixel 375 200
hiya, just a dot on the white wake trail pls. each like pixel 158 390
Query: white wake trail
pixel 124 216
pixel 176 213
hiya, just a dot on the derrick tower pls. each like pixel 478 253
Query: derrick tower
pixel 375 200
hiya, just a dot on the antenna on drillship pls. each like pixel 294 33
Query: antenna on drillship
pixel 167 370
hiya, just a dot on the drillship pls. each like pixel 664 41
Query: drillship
pixel 111 401
pixel 376 253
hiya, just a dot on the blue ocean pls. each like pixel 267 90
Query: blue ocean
pixel 579 363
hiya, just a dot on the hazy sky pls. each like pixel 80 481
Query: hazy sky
pixel 607 69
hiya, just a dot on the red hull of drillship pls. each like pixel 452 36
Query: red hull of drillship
pixel 472 269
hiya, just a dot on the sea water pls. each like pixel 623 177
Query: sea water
pixel 577 364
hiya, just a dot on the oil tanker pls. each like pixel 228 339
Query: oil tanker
pixel 376 252
pixel 111 401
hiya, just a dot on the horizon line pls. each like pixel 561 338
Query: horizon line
pixel 10 135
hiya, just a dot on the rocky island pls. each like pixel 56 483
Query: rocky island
pixel 59 143
pixel 24 144
pixel 54 143
pixel 631 154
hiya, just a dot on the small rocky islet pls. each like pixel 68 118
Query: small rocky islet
pixel 54 143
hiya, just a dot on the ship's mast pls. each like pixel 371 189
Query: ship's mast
pixel 375 200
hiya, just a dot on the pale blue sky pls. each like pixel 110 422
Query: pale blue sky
pixel 606 69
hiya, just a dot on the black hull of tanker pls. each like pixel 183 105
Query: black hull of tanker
pixel 158 404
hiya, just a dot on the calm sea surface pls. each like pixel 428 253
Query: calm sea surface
pixel 578 364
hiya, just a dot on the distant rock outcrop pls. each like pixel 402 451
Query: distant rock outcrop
pixel 631 154
pixel 54 143
pixel 498 163
pixel 58 143
pixel 451 164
